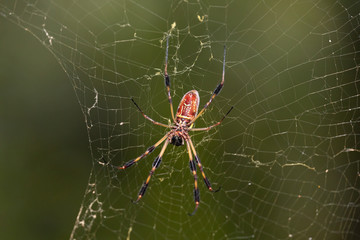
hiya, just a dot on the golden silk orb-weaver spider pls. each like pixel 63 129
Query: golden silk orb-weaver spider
pixel 186 115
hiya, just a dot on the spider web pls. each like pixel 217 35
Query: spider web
pixel 287 157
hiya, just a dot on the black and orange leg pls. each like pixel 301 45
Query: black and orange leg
pixel 148 118
pixel 148 151
pixel 197 160
pixel 155 165
pixel 216 91
pixel 208 128
pixel 193 171
pixel 167 79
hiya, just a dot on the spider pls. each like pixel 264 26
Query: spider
pixel 186 115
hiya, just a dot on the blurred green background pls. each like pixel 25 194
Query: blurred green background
pixel 44 153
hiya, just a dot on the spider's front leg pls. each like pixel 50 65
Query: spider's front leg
pixel 155 165
pixel 206 180
pixel 148 151
pixel 193 171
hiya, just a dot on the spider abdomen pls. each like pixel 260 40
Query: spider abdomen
pixel 188 107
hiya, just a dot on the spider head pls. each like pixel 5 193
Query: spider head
pixel 177 140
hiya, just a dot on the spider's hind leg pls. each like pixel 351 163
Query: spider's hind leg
pixel 215 93
pixel 167 80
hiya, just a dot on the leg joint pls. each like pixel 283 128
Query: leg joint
pixel 143 189
pixel 128 164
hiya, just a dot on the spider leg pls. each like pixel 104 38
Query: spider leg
pixel 197 160
pixel 155 165
pixel 149 150
pixel 193 171
pixel 167 79
pixel 216 92
pixel 148 118
pixel 208 128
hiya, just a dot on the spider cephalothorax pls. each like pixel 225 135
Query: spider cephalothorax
pixel 186 115
pixel 177 140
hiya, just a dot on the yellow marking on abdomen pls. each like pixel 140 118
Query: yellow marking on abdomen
pixel 181 116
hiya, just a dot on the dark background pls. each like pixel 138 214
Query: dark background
pixel 44 154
